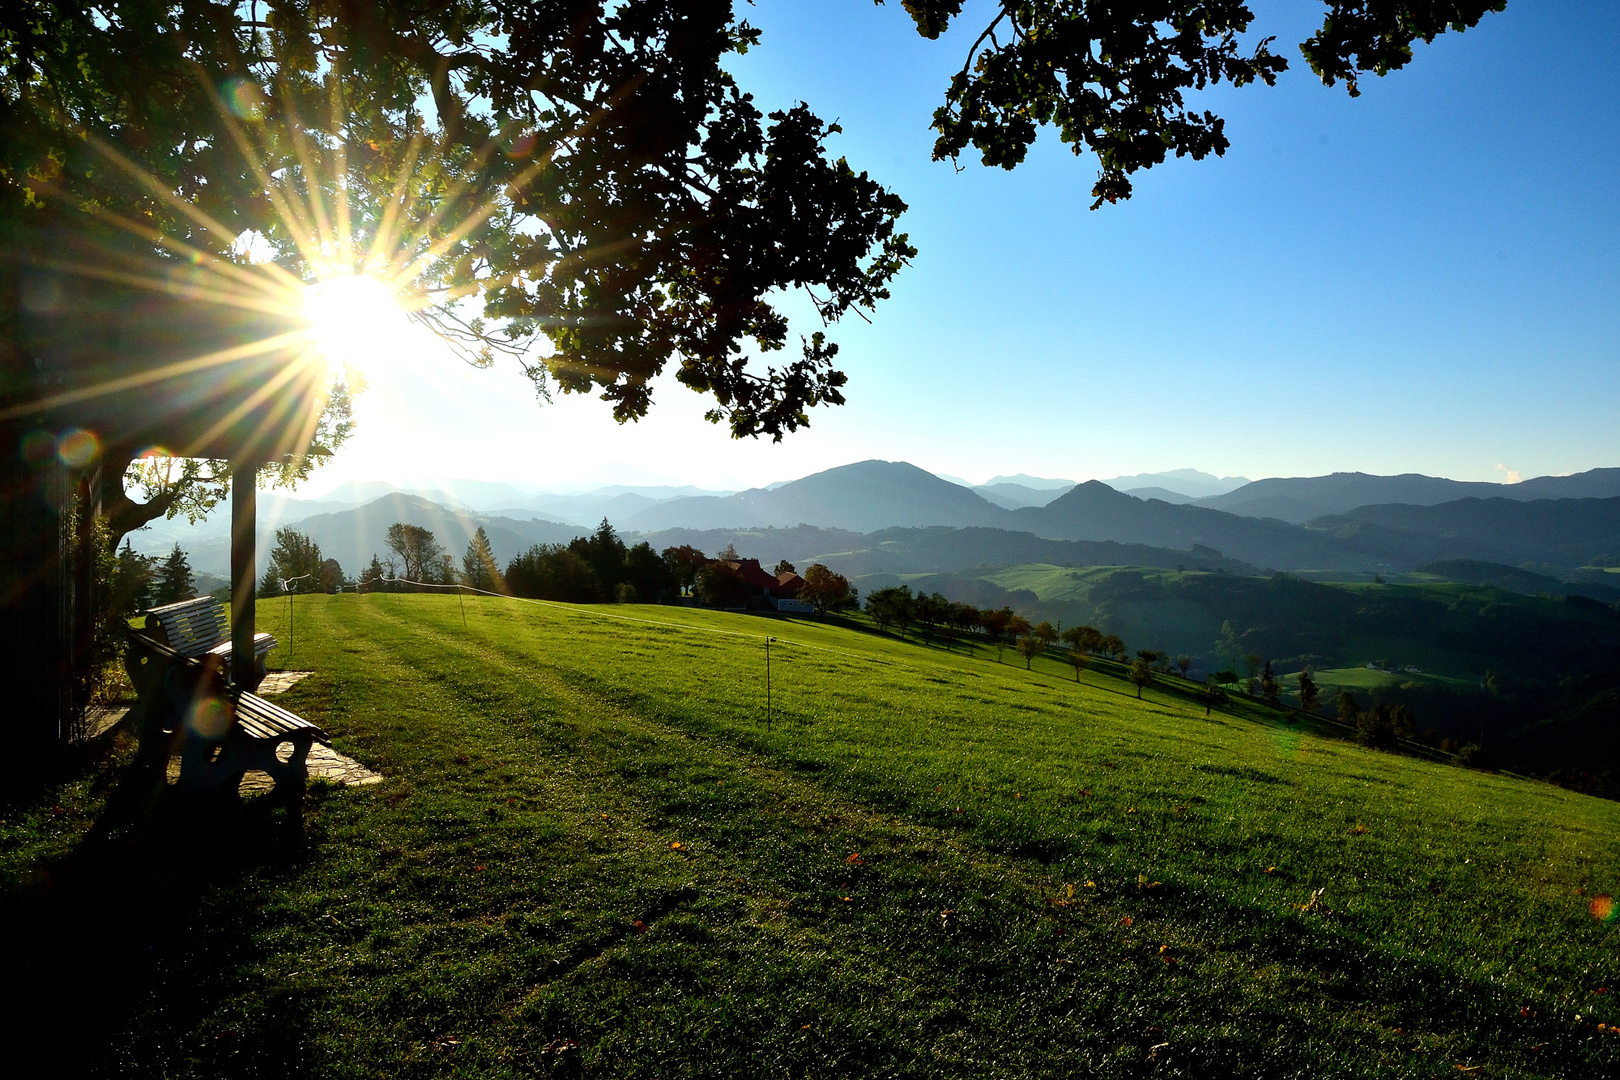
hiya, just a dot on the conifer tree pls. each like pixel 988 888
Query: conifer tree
pixel 479 570
pixel 174 580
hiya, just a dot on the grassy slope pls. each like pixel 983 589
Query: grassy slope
pixel 478 913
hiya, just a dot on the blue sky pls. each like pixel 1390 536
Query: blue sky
pixel 1425 279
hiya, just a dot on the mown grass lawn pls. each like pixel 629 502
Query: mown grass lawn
pixel 592 857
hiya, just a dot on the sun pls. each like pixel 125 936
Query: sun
pixel 355 320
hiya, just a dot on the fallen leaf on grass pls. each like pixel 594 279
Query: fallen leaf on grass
pixel 1126 921
pixel 638 927
pixel 855 859
pixel 676 845
pixel 1142 882
pixel 1315 902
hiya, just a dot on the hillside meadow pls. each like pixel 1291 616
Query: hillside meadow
pixel 593 854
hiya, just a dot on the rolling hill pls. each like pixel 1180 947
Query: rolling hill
pixel 1094 511
pixel 593 854
pixel 1561 534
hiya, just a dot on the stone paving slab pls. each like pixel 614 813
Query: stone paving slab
pixel 279 682
pixel 323 762
pixel 97 722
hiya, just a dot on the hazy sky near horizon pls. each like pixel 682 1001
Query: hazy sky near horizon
pixel 1424 279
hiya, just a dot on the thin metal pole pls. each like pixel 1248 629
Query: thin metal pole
pixel 463 604
pixel 768 641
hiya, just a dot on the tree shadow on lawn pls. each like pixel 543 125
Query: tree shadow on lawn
pixel 115 953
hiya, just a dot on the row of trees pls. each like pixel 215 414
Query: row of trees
pixel 596 569
pixel 146 581
pixel 297 561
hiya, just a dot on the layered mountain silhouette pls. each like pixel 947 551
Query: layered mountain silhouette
pixel 1553 536
pixel 1299 499
pixel 1558 533
pixel 1094 511
pixel 352 536
pixel 862 497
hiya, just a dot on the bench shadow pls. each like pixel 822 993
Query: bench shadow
pixel 116 952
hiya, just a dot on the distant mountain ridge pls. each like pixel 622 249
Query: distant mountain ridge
pixel 1557 537
pixel 1299 499
pixel 861 497
pixel 1187 482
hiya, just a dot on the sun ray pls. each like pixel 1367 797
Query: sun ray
pixel 340 171
pixel 189 210
pixel 170 370
pixel 312 189
pixel 303 231
pixel 257 397
pixel 398 205
pixel 266 302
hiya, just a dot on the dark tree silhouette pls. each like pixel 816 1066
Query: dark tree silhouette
pixel 174 580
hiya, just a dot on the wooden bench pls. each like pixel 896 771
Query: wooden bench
pixel 220 733
pixel 198 628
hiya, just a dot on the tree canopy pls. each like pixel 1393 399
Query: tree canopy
pixel 584 173
pixel 1113 77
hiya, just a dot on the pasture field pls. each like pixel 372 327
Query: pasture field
pixel 1365 678
pixel 592 856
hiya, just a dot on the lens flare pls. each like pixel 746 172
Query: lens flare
pixel 353 320
pixel 208 718
pixel 243 98
pixel 37 445
pixel 1604 909
pixel 78 448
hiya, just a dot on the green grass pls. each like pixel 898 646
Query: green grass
pixel 1365 678
pixel 1053 583
pixel 591 856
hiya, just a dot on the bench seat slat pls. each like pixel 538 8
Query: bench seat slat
pixel 263 720
pixel 198 627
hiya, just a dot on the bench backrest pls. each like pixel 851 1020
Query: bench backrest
pixel 193 626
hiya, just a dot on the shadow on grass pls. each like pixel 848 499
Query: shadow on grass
pixel 115 952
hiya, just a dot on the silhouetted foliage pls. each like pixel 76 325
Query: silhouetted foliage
pixel 891 606
pixel 553 572
pixel 295 556
pixel 1141 673
pixel 174 581
pixel 479 570
pixel 683 563
pixel 825 590
pixel 721 585
pixel 1309 693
